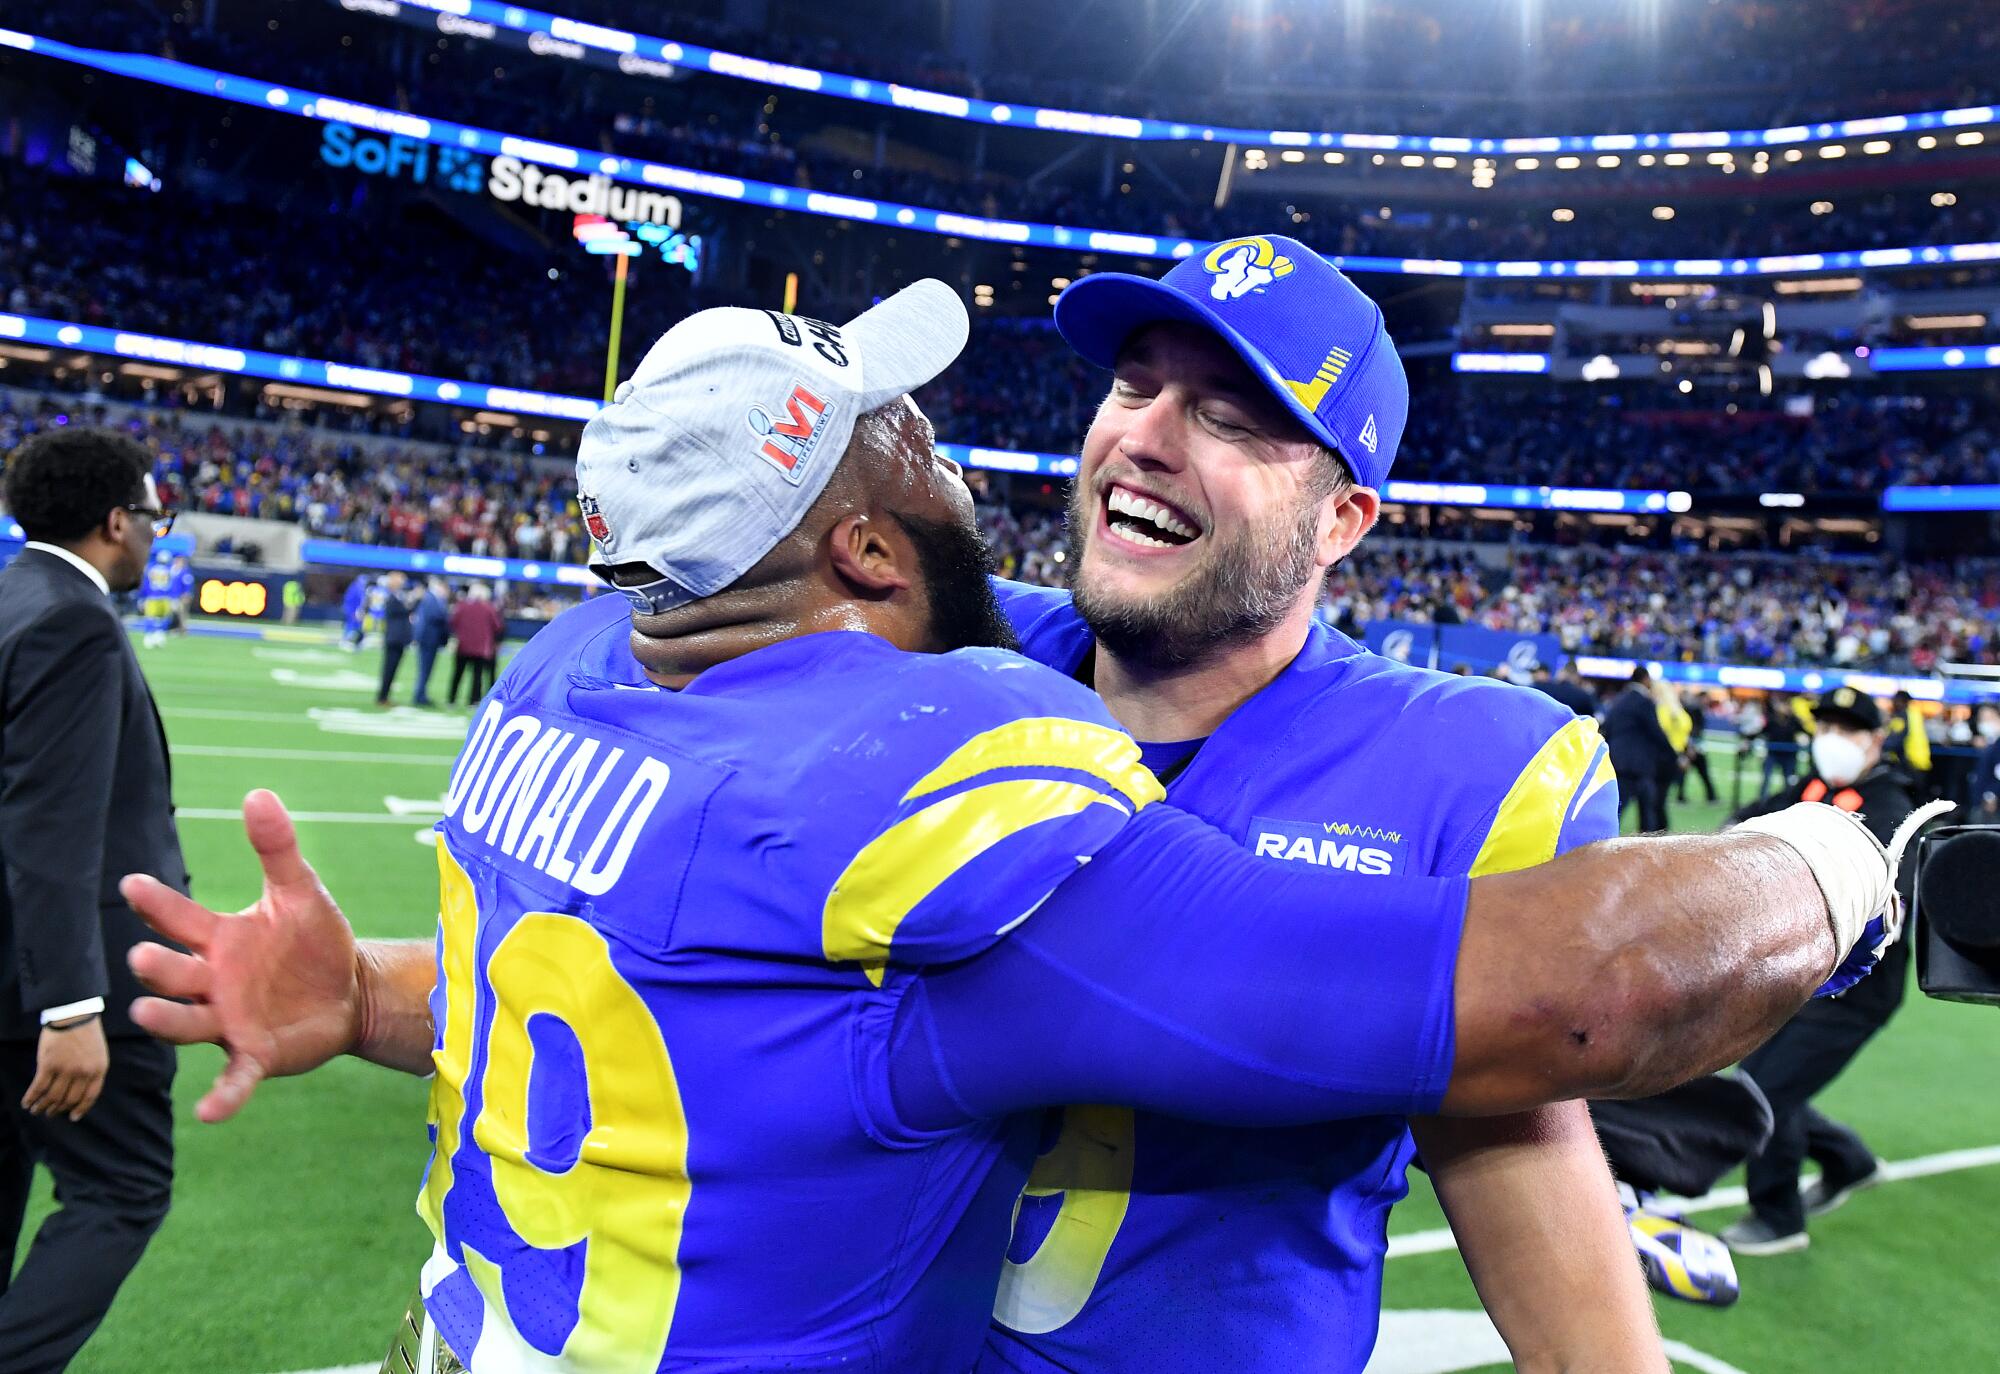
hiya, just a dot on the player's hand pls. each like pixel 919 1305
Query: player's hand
pixel 277 984
pixel 69 1070
pixel 1857 874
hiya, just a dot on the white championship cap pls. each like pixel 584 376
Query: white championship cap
pixel 727 433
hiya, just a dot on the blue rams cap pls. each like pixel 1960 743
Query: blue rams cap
pixel 1317 341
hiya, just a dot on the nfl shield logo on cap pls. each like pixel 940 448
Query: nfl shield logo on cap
pixel 593 518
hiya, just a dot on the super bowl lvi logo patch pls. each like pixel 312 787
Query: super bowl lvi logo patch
pixel 1241 266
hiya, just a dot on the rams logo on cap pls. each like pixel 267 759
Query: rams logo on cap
pixel 1844 697
pixel 1241 266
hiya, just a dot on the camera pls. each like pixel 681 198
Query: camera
pixel 1955 913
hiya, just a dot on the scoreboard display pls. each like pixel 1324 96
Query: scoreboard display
pixel 238 595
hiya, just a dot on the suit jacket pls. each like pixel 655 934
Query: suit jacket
pixel 85 797
pixel 1639 746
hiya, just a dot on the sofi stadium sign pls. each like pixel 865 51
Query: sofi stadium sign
pixel 505 178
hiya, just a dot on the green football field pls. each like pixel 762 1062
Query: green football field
pixel 293 1244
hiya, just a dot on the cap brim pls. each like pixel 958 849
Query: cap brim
pixel 1098 313
pixel 908 339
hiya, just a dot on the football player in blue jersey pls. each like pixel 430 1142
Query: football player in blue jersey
pixel 1255 409
pixel 156 601
pixel 773 906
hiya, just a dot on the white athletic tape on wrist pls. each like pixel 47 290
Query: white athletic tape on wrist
pixel 1855 872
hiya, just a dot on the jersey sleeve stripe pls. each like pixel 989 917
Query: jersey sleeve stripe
pixel 1528 825
pixel 1049 742
pixel 898 869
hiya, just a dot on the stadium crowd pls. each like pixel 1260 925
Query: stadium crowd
pixel 1685 604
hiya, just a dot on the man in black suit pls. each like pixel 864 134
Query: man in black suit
pixel 397 606
pixel 85 798
pixel 1641 754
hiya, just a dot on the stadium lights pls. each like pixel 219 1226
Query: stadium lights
pixel 1562 214
pixel 1333 159
pixel 673 181
pixel 1815 286
pixel 1941 199
pixel 1446 162
pixel 1569 164
pixel 1676 159
pixel 1977 321
pixel 650 56
pixel 1876 147
pixel 1833 150
pixel 1970 137
pixel 1526 164
pixel 1822 207
pixel 1663 212
pixel 1608 160
pixel 1413 159
pixel 1522 331
pixel 1294 155
pixel 1927 142
pixel 1685 386
pixel 1793 154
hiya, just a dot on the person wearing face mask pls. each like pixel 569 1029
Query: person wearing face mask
pixel 1848 771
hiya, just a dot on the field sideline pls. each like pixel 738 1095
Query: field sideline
pixel 293 1244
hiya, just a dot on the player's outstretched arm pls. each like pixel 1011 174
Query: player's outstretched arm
pixel 1178 973
pixel 282 985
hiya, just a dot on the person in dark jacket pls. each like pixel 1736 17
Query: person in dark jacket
pixel 1565 687
pixel 431 627
pixel 1780 734
pixel 397 604
pixel 85 798
pixel 1697 757
pixel 478 627
pixel 1641 754
pixel 1822 1040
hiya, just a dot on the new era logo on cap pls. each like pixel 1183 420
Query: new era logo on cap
pixel 1367 437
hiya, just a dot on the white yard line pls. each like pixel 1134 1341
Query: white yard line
pixel 1924 1166
pixel 240 751
pixel 1445 1341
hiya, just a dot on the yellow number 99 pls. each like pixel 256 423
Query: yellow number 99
pixel 627 1193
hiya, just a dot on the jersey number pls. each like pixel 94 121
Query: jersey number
pixel 626 1193
pixel 1090 1167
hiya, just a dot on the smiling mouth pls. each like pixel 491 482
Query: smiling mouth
pixel 1146 521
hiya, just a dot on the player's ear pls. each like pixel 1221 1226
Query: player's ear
pixel 868 559
pixel 1350 515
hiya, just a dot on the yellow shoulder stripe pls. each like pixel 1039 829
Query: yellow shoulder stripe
pixel 1048 742
pixel 1531 816
pixel 903 865
pixel 898 869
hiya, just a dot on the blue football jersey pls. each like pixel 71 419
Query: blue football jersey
pixel 674 930
pixel 159 580
pixel 180 581
pixel 1143 1242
